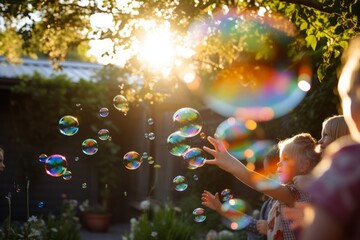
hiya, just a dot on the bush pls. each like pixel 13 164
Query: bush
pixel 66 226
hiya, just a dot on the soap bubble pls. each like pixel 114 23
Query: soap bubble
pixel 121 103
pixel 55 165
pixel 187 121
pixel 226 195
pixel 150 121
pixel 84 185
pixel 132 160
pixel 179 183
pixel 89 146
pixel 42 157
pixel 151 136
pixel 104 112
pixel 104 134
pixel 199 215
pixel 265 78
pixel 177 144
pixel 235 205
pixel 235 136
pixel 40 204
pixel 195 158
pixel 67 175
pixel 68 125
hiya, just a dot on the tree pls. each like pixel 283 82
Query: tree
pixel 54 27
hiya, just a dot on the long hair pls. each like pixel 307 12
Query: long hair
pixel 336 126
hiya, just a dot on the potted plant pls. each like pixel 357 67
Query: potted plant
pixel 95 217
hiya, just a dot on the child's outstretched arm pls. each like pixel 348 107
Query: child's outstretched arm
pixel 224 160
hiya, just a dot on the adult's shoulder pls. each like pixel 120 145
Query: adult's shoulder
pixel 344 149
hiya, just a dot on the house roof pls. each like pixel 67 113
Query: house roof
pixel 74 70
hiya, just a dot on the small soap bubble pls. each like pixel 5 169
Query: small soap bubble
pixel 40 204
pixel 121 103
pixel 77 159
pixel 104 112
pixel 195 177
pixel 226 195
pixel 202 135
pixel 187 121
pixel 125 194
pixel 132 160
pixel 199 215
pixel 150 160
pixel 78 105
pixel 89 146
pixel 68 125
pixel 145 155
pixel 55 165
pixel 150 121
pixel 146 135
pixel 151 136
pixel 104 134
pixel 67 175
pixel 42 157
pixel 179 183
pixel 84 185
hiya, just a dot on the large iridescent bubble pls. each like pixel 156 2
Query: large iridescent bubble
pixel 235 136
pixel 177 144
pixel 56 165
pixel 187 121
pixel 232 206
pixel 132 160
pixel 68 125
pixel 195 158
pixel 90 146
pixel 262 75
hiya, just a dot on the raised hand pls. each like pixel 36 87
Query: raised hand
pixel 211 201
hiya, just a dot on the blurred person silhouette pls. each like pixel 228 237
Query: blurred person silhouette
pixel 336 192
pixel 256 228
pixel 298 156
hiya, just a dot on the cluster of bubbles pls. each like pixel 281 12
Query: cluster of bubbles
pixel 188 123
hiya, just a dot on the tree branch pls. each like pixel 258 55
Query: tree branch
pixel 312 4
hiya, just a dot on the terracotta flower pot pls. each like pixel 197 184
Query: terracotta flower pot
pixel 96 222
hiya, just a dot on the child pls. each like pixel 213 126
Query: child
pixel 336 194
pixel 297 156
pixel 332 128
pixel 255 228
pixel 2 165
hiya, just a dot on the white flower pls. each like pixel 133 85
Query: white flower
pixel 32 219
pixel 145 205
pixel 53 229
pixel 154 234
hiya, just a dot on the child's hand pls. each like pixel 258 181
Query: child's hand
pixel 222 157
pixel 262 226
pixel 211 201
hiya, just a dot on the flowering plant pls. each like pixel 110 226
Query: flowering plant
pixel 85 206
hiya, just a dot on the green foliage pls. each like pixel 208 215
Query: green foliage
pixel 65 226
pixel 163 222
pixel 40 102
